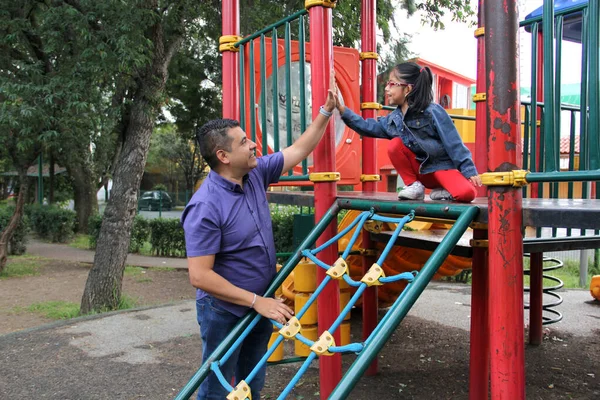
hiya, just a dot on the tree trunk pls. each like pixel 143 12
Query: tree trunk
pixel 86 201
pixel 105 280
pixel 7 233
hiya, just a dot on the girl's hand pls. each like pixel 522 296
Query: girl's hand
pixel 330 101
pixel 476 181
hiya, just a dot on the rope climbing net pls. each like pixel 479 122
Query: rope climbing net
pixel 325 344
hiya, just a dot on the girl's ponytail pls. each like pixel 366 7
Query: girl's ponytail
pixel 421 80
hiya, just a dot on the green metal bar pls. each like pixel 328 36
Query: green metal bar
pixel 534 107
pixel 263 97
pixel 556 176
pixel 549 117
pixel 563 106
pixel 565 11
pixel 239 328
pixel 242 90
pixel 275 25
pixel 541 161
pixel 446 211
pixel 527 137
pixel 399 310
pixel 40 187
pixel 556 104
pixel 302 69
pixel 571 153
pixel 583 117
pixel 290 360
pixel 252 108
pixel 288 88
pixel 293 178
pixel 275 88
pixel 594 88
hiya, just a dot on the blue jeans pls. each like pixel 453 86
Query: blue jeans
pixel 215 325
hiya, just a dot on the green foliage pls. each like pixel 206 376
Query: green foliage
pixel 18 242
pixel 160 186
pixel 140 232
pixel 282 218
pixel 167 237
pixel 51 222
pixel 19 266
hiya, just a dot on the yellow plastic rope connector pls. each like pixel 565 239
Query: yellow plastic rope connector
pixel 368 55
pixel 372 276
pixel 477 97
pixel 227 42
pixel 338 269
pixel 241 392
pixel 373 226
pixel 324 177
pixel 291 328
pixel 323 344
pixel 481 243
pixel 480 31
pixel 515 178
pixel 370 106
pixel 370 178
pixel 325 3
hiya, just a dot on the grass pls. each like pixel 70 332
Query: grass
pixel 55 309
pixel 569 274
pixel 80 241
pixel 67 310
pixel 18 266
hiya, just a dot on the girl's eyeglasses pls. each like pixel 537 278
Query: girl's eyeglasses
pixel 392 83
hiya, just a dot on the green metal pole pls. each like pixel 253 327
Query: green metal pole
pixel 275 89
pixel 252 100
pixel 549 114
pixel 263 97
pixel 594 88
pixel 401 308
pixel 555 176
pixel 40 180
pixel 302 70
pixel 242 90
pixel 583 116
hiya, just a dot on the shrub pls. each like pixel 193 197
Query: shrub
pixel 18 242
pixel 167 237
pixel 140 232
pixel 283 227
pixel 51 222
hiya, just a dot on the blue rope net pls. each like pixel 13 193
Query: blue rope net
pixel 325 345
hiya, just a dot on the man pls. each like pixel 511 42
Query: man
pixel 229 242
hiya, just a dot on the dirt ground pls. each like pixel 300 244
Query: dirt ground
pixel 423 360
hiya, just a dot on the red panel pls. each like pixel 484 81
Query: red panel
pixel 346 65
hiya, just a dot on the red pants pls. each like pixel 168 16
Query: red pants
pixel 405 162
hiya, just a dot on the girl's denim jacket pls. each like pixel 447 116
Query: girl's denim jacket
pixel 430 134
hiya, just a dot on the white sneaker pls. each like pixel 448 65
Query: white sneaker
pixel 414 191
pixel 440 194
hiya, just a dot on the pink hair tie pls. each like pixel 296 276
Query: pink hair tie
pixel 422 69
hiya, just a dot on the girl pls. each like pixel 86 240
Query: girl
pixel 425 147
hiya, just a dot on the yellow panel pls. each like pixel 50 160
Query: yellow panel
pixel 345 333
pixel 278 353
pixel 311 316
pixel 305 277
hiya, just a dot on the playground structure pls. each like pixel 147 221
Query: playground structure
pixel 497 357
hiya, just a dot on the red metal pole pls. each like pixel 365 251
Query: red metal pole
pixel 536 294
pixel 479 365
pixel 231 93
pixel 507 362
pixel 328 303
pixel 369 161
pixel 480 106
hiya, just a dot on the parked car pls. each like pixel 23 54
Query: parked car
pixel 151 201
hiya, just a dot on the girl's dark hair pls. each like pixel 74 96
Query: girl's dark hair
pixel 421 79
pixel 212 137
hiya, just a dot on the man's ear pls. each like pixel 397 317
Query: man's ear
pixel 222 156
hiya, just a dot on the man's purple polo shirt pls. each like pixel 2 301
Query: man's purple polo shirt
pixel 234 224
